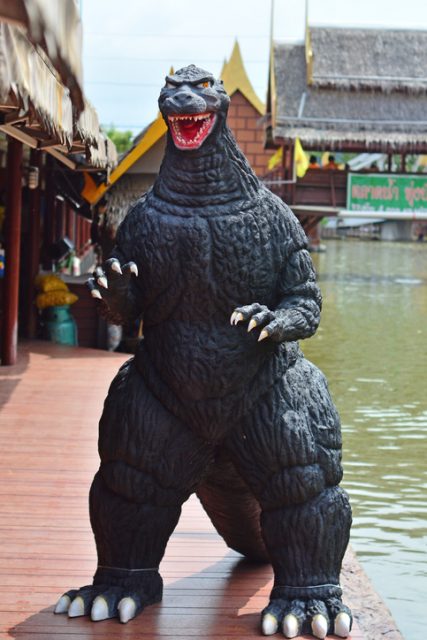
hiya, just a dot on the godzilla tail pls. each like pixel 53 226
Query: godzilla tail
pixel 233 510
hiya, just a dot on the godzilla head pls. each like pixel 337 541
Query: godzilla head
pixel 193 104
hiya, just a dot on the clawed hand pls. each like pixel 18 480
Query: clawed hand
pixel 258 315
pixel 113 274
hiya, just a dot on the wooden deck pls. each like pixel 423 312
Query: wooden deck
pixel 51 402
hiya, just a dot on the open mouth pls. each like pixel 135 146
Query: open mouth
pixel 189 131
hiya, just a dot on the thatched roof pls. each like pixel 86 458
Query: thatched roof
pixel 56 28
pixel 381 59
pixel 123 194
pixel 29 83
pixel 341 114
pixel 35 105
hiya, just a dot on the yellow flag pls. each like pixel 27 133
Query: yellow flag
pixel 275 159
pixel 300 158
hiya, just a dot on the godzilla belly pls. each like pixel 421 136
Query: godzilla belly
pixel 198 362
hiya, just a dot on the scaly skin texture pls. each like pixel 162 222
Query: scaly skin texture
pixel 231 411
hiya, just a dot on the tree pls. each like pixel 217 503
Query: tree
pixel 122 139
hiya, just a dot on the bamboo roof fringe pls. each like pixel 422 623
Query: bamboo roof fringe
pixel 28 82
pixel 56 28
pixel 103 155
pixel 366 88
pixel 40 82
pixel 87 125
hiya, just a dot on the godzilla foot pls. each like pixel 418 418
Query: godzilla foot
pixel 102 601
pixel 295 617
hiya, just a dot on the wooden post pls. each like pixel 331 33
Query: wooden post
pixel 33 257
pixel 9 339
pixel 71 224
pixel 49 212
pixel 59 218
pixel 78 234
pixel 68 221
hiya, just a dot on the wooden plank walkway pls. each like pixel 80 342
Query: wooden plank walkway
pixel 51 402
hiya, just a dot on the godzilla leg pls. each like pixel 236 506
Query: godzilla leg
pixel 150 464
pixel 233 509
pixel 289 452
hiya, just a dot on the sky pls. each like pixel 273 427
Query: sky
pixel 129 46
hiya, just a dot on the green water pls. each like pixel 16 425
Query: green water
pixel 372 346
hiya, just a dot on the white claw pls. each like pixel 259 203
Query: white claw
pixel 290 626
pixel 239 317
pixel 269 624
pixel 63 604
pixel 127 609
pixel 319 626
pixel 263 335
pixel 77 608
pixel 133 269
pixel 252 325
pixel 342 625
pixel 99 609
pixel 95 294
pixel 232 317
pixel 115 266
pixel 102 280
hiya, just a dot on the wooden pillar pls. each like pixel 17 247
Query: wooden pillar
pixel 59 219
pixel 78 234
pixel 69 231
pixel 49 212
pixel 32 260
pixel 403 162
pixel 9 338
pixel 71 224
pixel 87 232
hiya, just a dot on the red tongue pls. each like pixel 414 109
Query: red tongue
pixel 189 127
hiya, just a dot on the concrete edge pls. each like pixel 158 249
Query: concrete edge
pixel 370 611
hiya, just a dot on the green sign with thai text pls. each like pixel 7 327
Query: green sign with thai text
pixel 386 192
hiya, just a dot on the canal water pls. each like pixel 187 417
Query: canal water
pixel 372 346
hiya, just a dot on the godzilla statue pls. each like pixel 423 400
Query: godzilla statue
pixel 225 407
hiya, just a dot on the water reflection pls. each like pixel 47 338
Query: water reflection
pixel 372 347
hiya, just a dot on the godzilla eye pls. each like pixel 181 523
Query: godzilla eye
pixel 203 85
pixel 169 85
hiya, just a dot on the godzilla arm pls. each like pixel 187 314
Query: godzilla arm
pixel 296 314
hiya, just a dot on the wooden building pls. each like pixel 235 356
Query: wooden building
pixel 352 90
pixel 47 128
